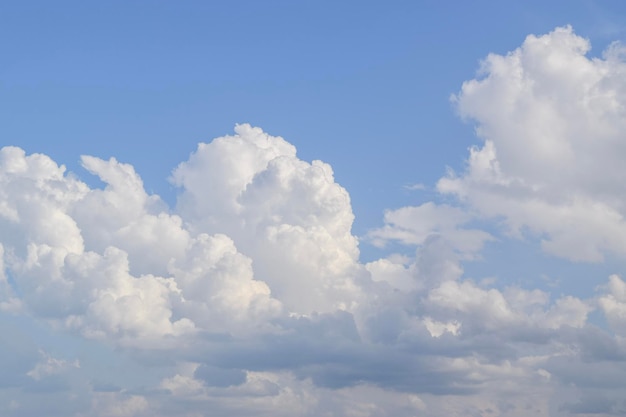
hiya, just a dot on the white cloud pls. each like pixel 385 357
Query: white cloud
pixel 551 119
pixel 248 297
pixel 613 304
pixel 288 215
pixel 437 328
pixel 114 262
pixel 413 225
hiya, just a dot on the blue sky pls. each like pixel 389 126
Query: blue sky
pixel 461 240
pixel 361 87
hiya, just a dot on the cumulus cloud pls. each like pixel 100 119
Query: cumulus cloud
pixel 613 304
pixel 289 215
pixel 413 225
pixel 248 297
pixel 551 164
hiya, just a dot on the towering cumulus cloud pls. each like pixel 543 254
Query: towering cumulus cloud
pixel 248 297
pixel 288 215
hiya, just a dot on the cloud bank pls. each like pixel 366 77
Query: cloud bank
pixel 248 296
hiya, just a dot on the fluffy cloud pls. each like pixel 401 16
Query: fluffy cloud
pixel 248 297
pixel 114 262
pixel 289 215
pixel 551 164
pixel 613 303
pixel 413 225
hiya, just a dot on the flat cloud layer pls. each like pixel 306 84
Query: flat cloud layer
pixel 248 297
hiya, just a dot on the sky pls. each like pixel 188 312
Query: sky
pixel 312 208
